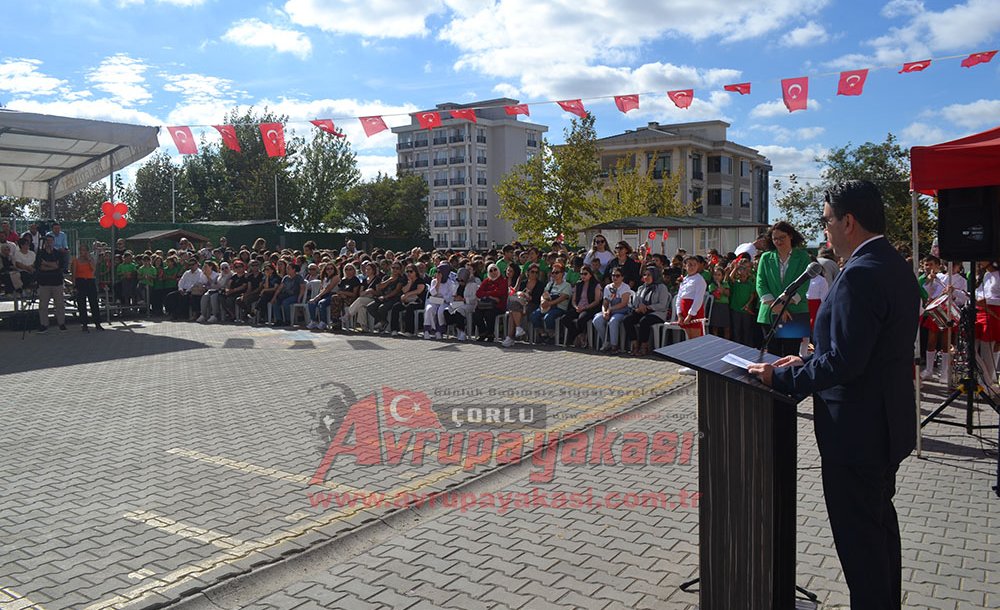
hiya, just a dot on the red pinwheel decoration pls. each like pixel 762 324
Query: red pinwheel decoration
pixel 113 214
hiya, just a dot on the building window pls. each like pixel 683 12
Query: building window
pixel 744 169
pixel 696 171
pixel 696 199
pixel 659 164
pixel 720 165
pixel 723 197
pixel 481 135
pixel 745 199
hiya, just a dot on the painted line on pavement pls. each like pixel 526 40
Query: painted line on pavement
pixel 164 524
pixel 11 600
pixel 189 572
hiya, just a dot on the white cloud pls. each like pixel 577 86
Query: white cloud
pixel 957 28
pixel 920 134
pixel 507 90
pixel 370 18
pixel 256 33
pixel 101 110
pixel 21 76
pixel 902 8
pixel 371 165
pixel 784 135
pixel 976 115
pixel 808 133
pixel 777 108
pixel 566 48
pixel 809 34
pixel 122 77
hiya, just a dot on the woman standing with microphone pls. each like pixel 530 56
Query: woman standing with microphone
pixel 777 269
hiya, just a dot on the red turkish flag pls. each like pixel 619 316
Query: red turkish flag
pixel 795 93
pixel 518 109
pixel 741 88
pixel 652 234
pixel 328 126
pixel 372 125
pixel 852 82
pixel 408 410
pixel 978 58
pixel 627 102
pixel 428 120
pixel 274 139
pixel 183 140
pixel 916 66
pixel 666 233
pixel 228 133
pixel 574 107
pixel 468 115
pixel 681 98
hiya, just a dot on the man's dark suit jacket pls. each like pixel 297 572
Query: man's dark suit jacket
pixel 861 373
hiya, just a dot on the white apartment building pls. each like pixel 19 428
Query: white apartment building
pixel 462 163
pixel 726 180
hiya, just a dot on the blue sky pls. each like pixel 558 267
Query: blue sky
pixel 185 62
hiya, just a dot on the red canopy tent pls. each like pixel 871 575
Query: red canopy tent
pixel 966 162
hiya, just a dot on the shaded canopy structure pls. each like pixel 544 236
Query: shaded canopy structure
pixel 46 157
pixel 170 234
pixel 963 163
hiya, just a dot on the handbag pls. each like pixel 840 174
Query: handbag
pixel 435 300
pixel 486 303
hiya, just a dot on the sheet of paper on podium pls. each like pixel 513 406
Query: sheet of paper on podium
pixel 737 361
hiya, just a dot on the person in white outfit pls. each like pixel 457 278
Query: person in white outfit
pixel 934 286
pixel 439 295
pixel 463 303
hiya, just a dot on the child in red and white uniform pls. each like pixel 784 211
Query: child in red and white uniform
pixel 988 321
pixel 690 302
pixel 934 285
pixel 815 295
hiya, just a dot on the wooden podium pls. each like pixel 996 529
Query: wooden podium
pixel 746 477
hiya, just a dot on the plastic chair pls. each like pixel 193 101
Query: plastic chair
pixel 312 286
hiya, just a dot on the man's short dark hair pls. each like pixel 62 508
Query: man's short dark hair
pixel 861 199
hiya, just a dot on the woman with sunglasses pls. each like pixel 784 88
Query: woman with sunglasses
pixel 617 301
pixel 372 277
pixel 492 300
pixel 584 304
pixel 525 296
pixel 598 251
pixel 650 307
pixel 411 300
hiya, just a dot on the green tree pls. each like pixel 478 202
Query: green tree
pixel 18 208
pixel 887 165
pixel 83 204
pixel 383 207
pixel 324 171
pixel 630 192
pixel 552 192
pixel 153 190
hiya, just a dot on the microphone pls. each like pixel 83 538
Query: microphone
pixel 811 271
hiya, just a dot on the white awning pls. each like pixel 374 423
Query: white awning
pixel 47 157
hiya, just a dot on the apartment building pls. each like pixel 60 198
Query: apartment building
pixel 462 163
pixel 724 180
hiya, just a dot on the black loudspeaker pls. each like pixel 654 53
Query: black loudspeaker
pixel 969 223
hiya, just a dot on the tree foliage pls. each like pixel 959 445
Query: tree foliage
pixel 551 193
pixel 887 165
pixel 383 207
pixel 324 172
pixel 153 184
pixel 631 192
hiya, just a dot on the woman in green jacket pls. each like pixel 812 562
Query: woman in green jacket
pixel 776 270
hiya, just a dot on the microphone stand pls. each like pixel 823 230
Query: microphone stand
pixel 783 299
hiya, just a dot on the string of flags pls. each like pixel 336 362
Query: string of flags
pixel 794 94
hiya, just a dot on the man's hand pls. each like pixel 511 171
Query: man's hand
pixel 765 371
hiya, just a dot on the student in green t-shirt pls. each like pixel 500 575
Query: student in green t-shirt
pixel 719 323
pixel 147 278
pixel 742 295
pixel 128 277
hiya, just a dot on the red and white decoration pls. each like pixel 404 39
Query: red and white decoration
pixel 228 133
pixel 627 102
pixel 372 125
pixel 978 58
pixel 741 88
pixel 517 109
pixel 274 139
pixel 574 107
pixel 428 120
pixel 328 126
pixel 915 66
pixel 852 82
pixel 183 140
pixel 795 93
pixel 682 98
pixel 468 115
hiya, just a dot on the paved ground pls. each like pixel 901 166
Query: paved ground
pixel 145 465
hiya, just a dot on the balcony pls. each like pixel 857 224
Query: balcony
pixel 481 202
pixel 532 143
pixel 420 144
pixel 440 223
pixel 482 222
pixel 440 140
pixel 421 163
pixel 440 162
pixel 458 202
pixel 458 244
pixel 454 160
pixel 441 203
pixel 482 245
pixel 481 160
pixel 480 180
pixel 697 176
pixel 404 145
pixel 458 180
pixel 454 139
pixel 457 222
pixel 481 139
pixel 440 182
pixel 403 166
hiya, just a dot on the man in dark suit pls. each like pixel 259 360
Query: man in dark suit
pixel 861 379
